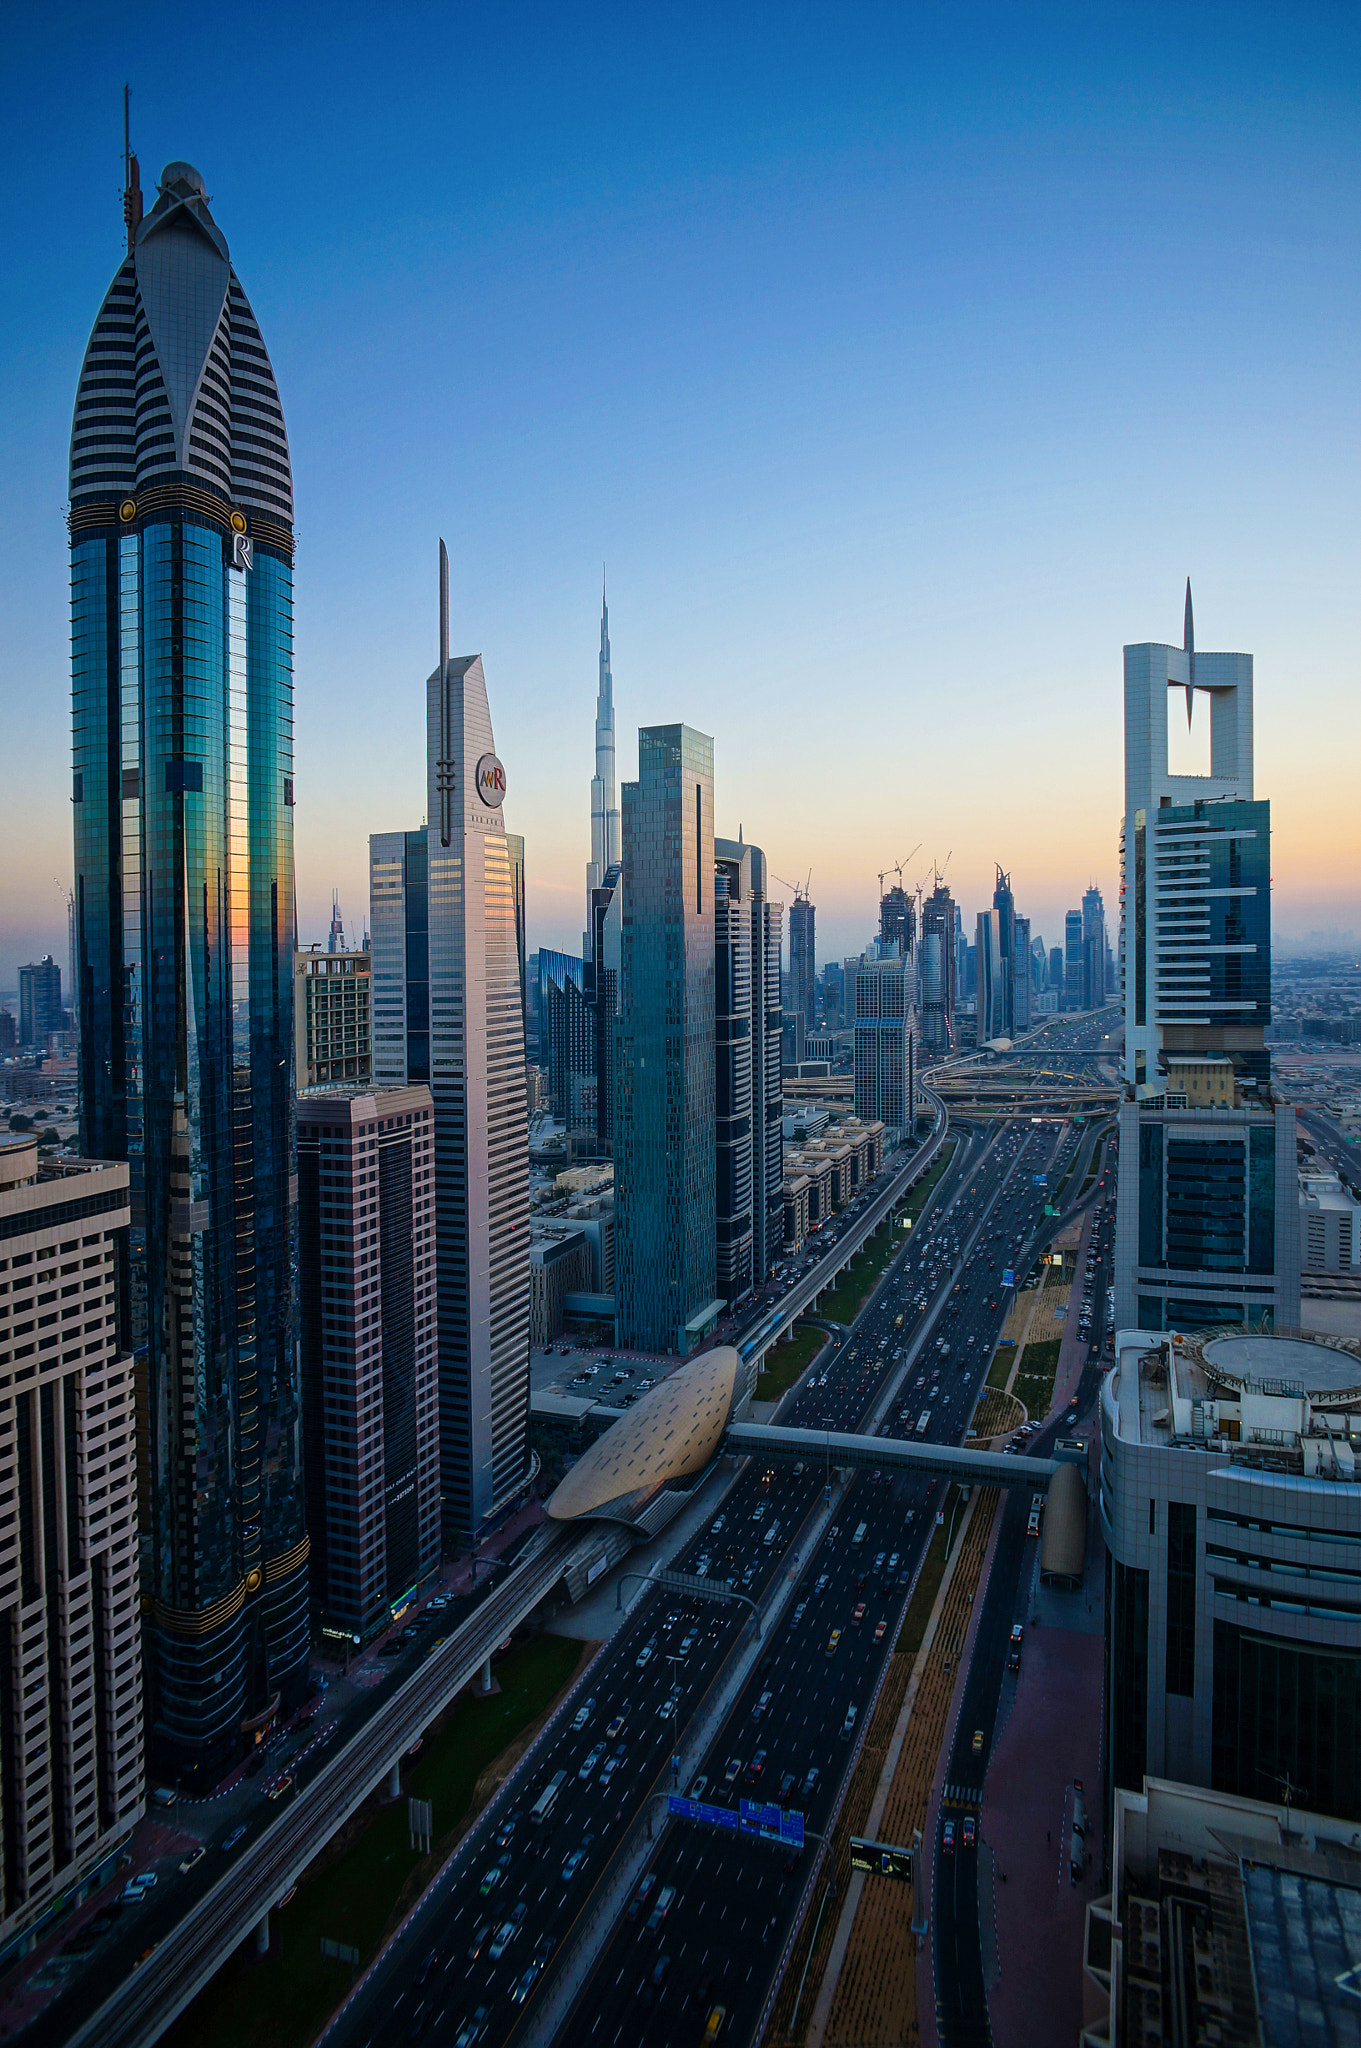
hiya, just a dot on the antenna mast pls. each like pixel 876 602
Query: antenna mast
pixel 132 181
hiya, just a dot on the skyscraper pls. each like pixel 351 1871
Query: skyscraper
pixel 1020 977
pixel 1093 950
pixel 991 980
pixel 1207 1222
pixel 1072 960
pixel 1004 904
pixel 370 1358
pixel 750 1165
pixel 448 1010
pixel 802 967
pixel 604 797
pixel 664 1150
pixel 72 1785
pixel 39 1001
pixel 567 1035
pixel 885 1042
pixel 897 919
pixel 182 704
pixel 332 1018
pixel 938 970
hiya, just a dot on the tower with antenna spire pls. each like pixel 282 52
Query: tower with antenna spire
pixel 604 786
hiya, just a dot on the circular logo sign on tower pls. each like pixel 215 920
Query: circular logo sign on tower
pixel 491 781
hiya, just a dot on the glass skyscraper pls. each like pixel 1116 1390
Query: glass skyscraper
pixel 448 1009
pixel 664 1144
pixel 181 527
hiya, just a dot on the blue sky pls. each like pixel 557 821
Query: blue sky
pixel 901 363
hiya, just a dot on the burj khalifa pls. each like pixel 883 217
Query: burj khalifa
pixel 604 788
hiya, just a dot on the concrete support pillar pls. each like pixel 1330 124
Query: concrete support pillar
pixel 262 1936
pixel 395 1780
pixel 484 1682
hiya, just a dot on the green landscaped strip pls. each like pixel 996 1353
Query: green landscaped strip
pixel 284 2002
pixel 1034 1382
pixel 928 1583
pixel 999 1372
pixel 784 1362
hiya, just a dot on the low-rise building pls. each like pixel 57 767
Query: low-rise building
pixel 559 1265
pixel 1232 1519
pixel 796 1193
pixel 1330 1225
pixel 812 1165
pixel 1228 1920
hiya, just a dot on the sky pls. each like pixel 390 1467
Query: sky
pixel 900 363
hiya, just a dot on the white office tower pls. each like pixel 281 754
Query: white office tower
pixel 447 1011
pixel 604 787
pixel 71 1686
pixel 1208 1219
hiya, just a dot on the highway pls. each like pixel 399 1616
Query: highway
pixel 961 1997
pixel 237 1893
pixel 617 1758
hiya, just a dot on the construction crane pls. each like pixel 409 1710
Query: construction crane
pixel 901 864
pixel 802 890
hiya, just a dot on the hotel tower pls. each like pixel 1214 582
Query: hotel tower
pixel 181 526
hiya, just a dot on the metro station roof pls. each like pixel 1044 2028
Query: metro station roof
pixel 672 1433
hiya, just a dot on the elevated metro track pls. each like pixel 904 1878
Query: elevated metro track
pixel 139 2010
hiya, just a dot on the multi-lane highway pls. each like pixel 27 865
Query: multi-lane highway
pixel 507 1914
pixel 961 1997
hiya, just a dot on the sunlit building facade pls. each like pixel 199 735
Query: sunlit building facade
pixel 182 701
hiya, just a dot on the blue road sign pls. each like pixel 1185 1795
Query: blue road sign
pixel 1039 1180
pixel 752 1817
pixel 1008 1277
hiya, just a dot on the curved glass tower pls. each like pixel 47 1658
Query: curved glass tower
pixel 182 705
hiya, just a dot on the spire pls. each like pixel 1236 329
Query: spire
pixel 1188 641
pixel 132 177
pixel 443 611
pixel 444 767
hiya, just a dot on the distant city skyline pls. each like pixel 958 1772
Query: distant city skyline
pixel 914 515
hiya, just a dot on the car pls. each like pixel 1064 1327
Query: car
pixel 524 1984
pixel 645 1654
pixel 755 1767
pixel 688 1642
pixel 1014 1647
pixel 698 1788
pixel 821 1583
pixel 231 1840
pixel 136 1889
pixel 589 1762
pixel 503 1834
pixel 473 2028
pixel 543 1948
pixel 787 1784
pixel 275 1788
pixel 479 1941
pixel 879 1627
pixel 507 1931
pixel 798 1612
pixel 713 2024
pixel 811 1779
pixel 717 1523
pixel 656 1980
pixel 970 1831
pixel 643 1893
pixel 427 1964
pixel 491 1877
pixel 665 1900
pixel 732 1770
pixel 670 1704
pixel 947 1838
pixel 977 1743
pixel 859 1614
pixel 761 1705
pixel 610 1766
pixel 832 1642
pixel 572 1864
pixel 195 1856
pixel 702 1565
pixel 582 1715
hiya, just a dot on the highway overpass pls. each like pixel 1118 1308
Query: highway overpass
pixel 886 1453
